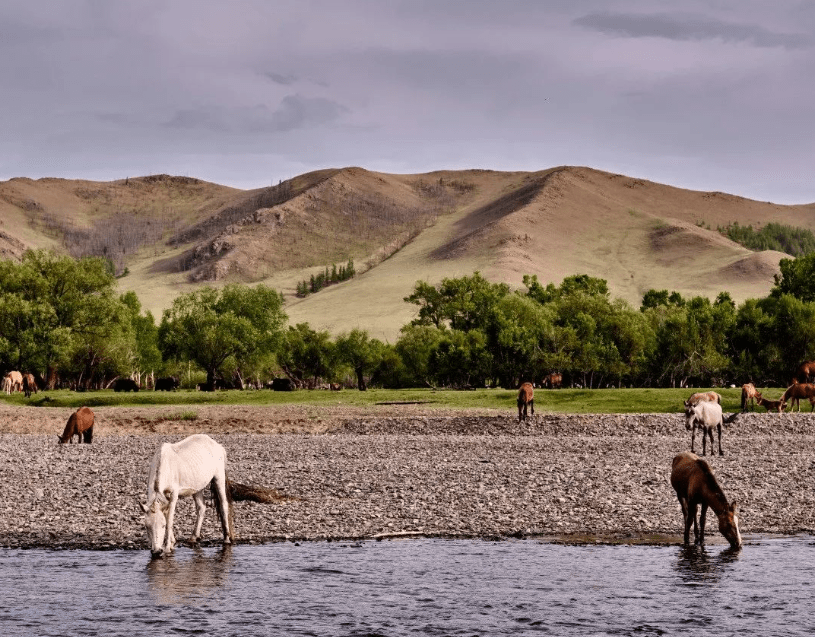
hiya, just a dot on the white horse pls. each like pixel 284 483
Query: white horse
pixel 178 470
pixel 706 415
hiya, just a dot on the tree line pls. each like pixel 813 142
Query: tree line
pixel 62 320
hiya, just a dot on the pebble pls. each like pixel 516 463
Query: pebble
pixel 557 477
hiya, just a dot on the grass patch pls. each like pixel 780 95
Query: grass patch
pixel 566 401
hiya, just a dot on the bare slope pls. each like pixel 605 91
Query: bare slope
pixel 180 232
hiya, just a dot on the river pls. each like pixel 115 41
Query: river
pixel 414 587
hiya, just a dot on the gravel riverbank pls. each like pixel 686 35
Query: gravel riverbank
pixel 371 473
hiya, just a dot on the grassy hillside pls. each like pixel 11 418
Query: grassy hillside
pixel 175 233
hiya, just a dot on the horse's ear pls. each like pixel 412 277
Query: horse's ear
pixel 143 506
pixel 734 507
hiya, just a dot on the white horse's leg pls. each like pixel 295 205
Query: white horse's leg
pixel 220 482
pixel 169 543
pixel 200 509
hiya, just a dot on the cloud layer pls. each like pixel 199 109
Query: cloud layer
pixel 712 96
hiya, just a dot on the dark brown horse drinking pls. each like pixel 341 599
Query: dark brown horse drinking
pixel 525 398
pixel 694 483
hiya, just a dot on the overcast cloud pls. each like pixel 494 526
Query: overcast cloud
pixel 709 95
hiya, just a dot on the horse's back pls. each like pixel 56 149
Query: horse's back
pixel 709 413
pixel 189 464
pixel 685 468
pixel 526 392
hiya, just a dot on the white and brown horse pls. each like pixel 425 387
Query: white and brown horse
pixel 694 483
pixel 706 415
pixel 13 382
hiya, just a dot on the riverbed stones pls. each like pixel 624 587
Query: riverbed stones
pixel 350 474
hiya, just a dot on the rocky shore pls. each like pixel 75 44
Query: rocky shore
pixel 400 471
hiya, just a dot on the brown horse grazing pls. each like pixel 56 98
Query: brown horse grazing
pixel 29 385
pixel 525 397
pixel 749 393
pixel 80 424
pixel 796 392
pixel 805 371
pixel 705 396
pixel 694 483
pixel 772 405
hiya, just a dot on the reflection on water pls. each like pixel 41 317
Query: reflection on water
pixel 176 581
pixel 413 587
pixel 696 565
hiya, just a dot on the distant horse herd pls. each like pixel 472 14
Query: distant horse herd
pixel 190 466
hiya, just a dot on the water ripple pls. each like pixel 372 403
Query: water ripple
pixel 413 587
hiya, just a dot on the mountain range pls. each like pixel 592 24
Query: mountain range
pixel 167 235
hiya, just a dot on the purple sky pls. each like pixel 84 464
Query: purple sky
pixel 709 95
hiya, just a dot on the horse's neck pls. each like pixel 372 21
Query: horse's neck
pixel 715 498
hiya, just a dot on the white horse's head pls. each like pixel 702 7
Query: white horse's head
pixel 155 523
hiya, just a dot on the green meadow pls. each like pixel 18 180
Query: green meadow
pixel 565 401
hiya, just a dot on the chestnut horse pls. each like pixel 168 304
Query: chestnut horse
pixel 553 380
pixel 694 483
pixel 80 424
pixel 525 397
pixel 706 415
pixel 805 371
pixel 771 405
pixel 796 392
pixel 749 393
pixel 29 385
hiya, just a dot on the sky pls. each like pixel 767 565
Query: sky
pixel 715 95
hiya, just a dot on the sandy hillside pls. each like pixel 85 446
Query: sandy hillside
pixel 399 229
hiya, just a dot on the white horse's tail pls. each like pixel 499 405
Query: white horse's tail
pixel 224 509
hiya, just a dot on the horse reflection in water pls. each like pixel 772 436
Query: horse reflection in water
pixel 697 567
pixel 200 574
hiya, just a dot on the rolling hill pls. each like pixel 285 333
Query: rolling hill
pixel 175 233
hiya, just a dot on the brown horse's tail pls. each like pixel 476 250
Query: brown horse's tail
pixel 87 435
pixel 227 519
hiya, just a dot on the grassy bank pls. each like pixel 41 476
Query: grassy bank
pixel 590 401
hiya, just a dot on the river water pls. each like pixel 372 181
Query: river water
pixel 414 587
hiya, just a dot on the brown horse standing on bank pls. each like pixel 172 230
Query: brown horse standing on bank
pixel 694 483
pixel 525 397
pixel 749 393
pixel 80 424
pixel 796 392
